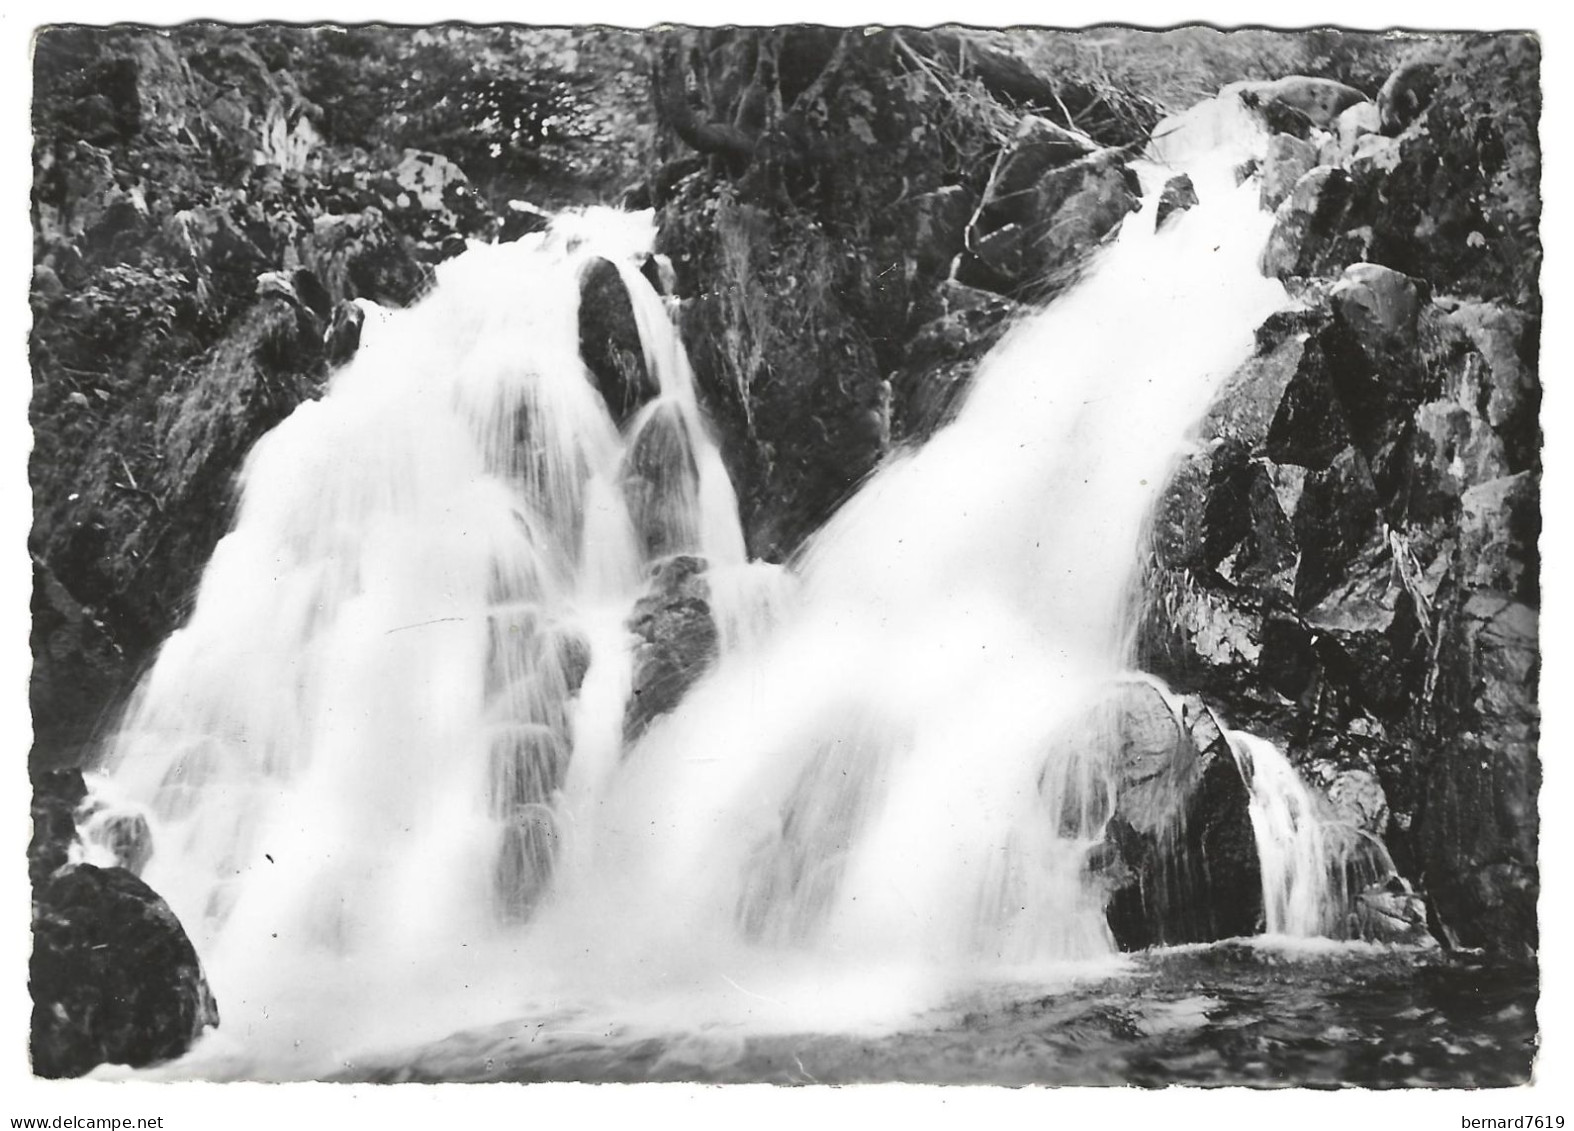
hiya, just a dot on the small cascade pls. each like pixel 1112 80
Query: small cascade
pixel 1315 867
pixel 1296 864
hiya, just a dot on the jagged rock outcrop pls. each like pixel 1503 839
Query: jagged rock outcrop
pixel 1348 562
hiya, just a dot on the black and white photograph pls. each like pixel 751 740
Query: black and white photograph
pixel 796 554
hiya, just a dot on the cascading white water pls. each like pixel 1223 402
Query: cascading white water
pixel 384 780
pixel 372 736
pixel 1289 832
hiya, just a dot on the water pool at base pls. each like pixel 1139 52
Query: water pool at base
pixel 1257 1013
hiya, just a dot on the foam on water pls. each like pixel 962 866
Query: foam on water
pixel 385 808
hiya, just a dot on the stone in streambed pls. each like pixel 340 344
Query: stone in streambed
pixel 113 976
pixel 609 341
pixel 676 640
pixel 1178 196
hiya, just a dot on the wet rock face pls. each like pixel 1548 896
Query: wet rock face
pixel 660 483
pixel 360 255
pixel 1178 859
pixel 344 333
pixel 520 220
pixel 609 342
pixel 1179 856
pixel 676 640
pixel 802 416
pixel 113 976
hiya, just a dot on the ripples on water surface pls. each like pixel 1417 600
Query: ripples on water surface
pixel 1262 1014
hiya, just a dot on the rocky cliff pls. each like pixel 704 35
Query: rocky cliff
pixel 1348 562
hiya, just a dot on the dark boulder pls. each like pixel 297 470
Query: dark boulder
pixel 1179 195
pixel 113 976
pixel 676 640
pixel 1499 532
pixel 1250 398
pixel 1038 147
pixel 609 341
pixel 1380 306
pixel 1246 537
pixel 1338 518
pixel 1308 427
pixel 1508 341
pixel 521 219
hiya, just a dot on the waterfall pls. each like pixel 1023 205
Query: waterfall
pixel 384 760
